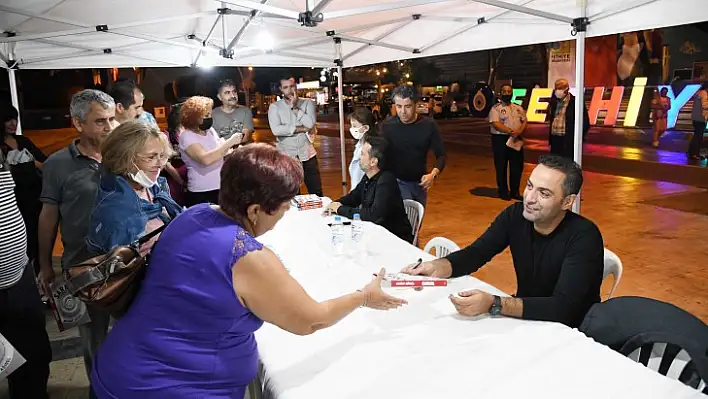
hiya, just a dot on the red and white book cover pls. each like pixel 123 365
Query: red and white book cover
pixel 400 280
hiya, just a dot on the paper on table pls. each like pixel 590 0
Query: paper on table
pixel 515 143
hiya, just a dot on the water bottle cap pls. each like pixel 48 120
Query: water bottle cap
pixel 357 216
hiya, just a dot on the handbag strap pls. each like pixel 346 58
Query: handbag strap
pixel 147 237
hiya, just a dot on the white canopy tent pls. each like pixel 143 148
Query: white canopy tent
pixel 63 34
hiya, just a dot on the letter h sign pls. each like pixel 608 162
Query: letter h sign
pixel 612 106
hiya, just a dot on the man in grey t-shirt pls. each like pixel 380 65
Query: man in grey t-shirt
pixel 232 118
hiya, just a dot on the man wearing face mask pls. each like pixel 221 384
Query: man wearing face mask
pixel 557 254
pixel 561 110
pixel 376 198
pixel 508 122
pixel 292 121
pixel 231 118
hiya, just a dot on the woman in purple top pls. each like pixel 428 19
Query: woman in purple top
pixel 189 333
pixel 202 150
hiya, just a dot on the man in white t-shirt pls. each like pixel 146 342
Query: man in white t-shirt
pixel 508 122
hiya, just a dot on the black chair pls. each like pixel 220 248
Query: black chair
pixel 657 334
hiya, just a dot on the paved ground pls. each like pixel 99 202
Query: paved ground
pixel 658 228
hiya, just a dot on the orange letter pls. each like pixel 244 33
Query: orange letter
pixel 612 105
pixel 536 105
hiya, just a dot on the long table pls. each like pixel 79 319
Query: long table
pixel 426 350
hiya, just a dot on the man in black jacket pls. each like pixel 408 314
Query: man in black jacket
pixel 557 254
pixel 561 110
pixel 377 197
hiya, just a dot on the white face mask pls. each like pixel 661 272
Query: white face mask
pixel 141 178
pixel 560 93
pixel 357 133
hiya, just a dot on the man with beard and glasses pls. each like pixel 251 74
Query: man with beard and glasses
pixel 376 198
pixel 557 254
pixel 231 118
pixel 69 186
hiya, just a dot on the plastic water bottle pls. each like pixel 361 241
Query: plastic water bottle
pixel 359 249
pixel 338 236
pixel 357 230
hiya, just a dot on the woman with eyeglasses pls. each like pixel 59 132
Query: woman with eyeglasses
pixel 132 200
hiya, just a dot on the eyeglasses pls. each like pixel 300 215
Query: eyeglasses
pixel 154 158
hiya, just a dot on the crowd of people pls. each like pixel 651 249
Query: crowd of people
pixel 190 330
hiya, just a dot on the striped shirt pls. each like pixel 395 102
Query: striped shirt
pixel 13 237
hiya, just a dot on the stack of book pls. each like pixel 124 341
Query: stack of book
pixel 309 201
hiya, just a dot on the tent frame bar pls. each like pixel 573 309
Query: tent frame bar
pixel 205 42
pixel 580 32
pixel 340 101
pixel 4 59
pixel 15 97
pixel 320 6
pixel 382 36
pixel 526 10
pixel 86 27
pixel 286 53
pixel 464 29
pixel 295 44
pixel 262 7
pixel 299 43
pixel 621 9
pixel 167 42
pixel 87 49
pixel 380 8
pixel 377 43
pixel 241 31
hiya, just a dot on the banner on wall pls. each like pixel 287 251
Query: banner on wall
pixel 561 62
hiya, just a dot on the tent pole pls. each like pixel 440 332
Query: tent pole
pixel 15 97
pixel 340 99
pixel 580 27
pixel 223 28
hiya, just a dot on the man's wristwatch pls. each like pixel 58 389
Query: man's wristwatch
pixel 496 308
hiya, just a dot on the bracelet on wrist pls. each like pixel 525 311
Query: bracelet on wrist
pixel 366 299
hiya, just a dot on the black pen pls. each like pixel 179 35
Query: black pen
pixel 420 261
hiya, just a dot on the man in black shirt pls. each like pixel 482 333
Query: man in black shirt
pixel 377 197
pixel 410 137
pixel 558 255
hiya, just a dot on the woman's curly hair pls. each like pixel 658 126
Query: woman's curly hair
pixel 194 110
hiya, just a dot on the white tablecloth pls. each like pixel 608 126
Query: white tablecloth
pixel 426 350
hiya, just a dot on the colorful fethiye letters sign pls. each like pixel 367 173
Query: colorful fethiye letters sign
pixel 538 102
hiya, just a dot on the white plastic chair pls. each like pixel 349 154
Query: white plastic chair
pixel 613 266
pixel 443 247
pixel 415 212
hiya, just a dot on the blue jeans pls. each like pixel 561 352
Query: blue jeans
pixel 413 190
